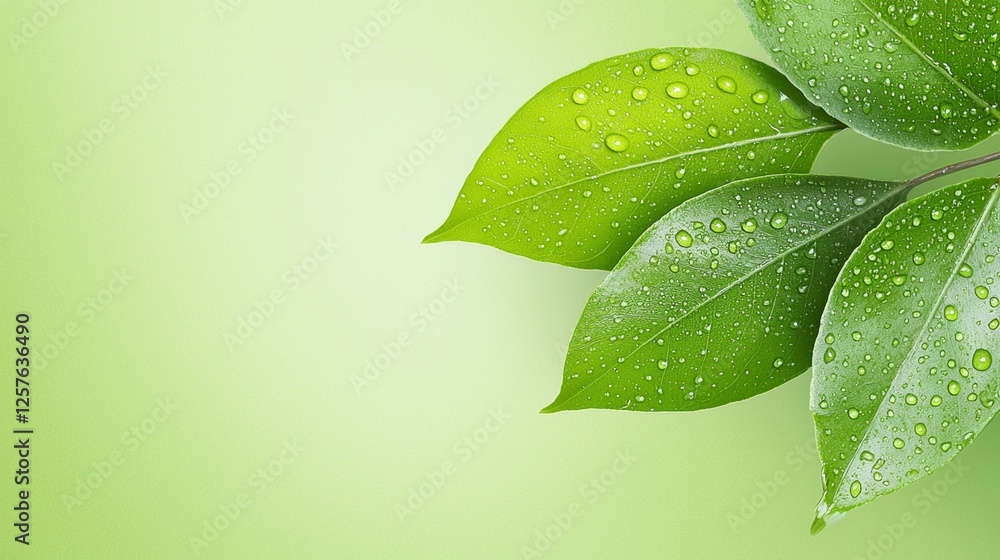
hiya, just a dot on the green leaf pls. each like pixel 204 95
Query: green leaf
pixel 598 156
pixel 920 74
pixel 721 299
pixel 905 370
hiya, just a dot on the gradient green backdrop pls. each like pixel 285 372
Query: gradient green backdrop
pixel 155 429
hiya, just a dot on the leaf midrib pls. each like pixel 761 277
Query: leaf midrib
pixel 813 238
pixel 730 145
pixel 930 61
pixel 970 244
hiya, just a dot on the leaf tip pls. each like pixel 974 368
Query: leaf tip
pixel 561 404
pixel 552 408
pixel 818 525
pixel 438 235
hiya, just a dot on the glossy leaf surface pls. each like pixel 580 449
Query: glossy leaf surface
pixel 598 156
pixel 906 370
pixel 721 299
pixel 917 73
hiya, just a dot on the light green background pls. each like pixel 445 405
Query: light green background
pixel 497 347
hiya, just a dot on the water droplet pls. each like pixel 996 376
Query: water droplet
pixel 920 429
pixel 749 226
pixel 913 19
pixel 713 131
pixel 661 61
pixel 853 413
pixel 580 96
pixel 965 271
pixel 951 313
pixel 677 90
pixel 936 400
pixel 726 84
pixel 855 489
pixel 640 93
pixel 684 238
pixel 692 70
pixel 718 226
pixel 982 292
pixel 617 142
pixel 911 399
pixel 760 97
pixel 918 258
pixel 584 123
pixel 830 355
pixel 898 443
pixel 954 388
pixel 982 359
pixel 779 220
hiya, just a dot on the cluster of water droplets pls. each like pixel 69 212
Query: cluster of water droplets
pixel 905 372
pixel 602 154
pixel 917 73
pixel 734 265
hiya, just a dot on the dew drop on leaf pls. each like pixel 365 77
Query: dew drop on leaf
pixel 662 61
pixel 617 142
pixel 726 84
pixel 982 359
pixel 677 90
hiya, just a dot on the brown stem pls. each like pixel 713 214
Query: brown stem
pixel 949 169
